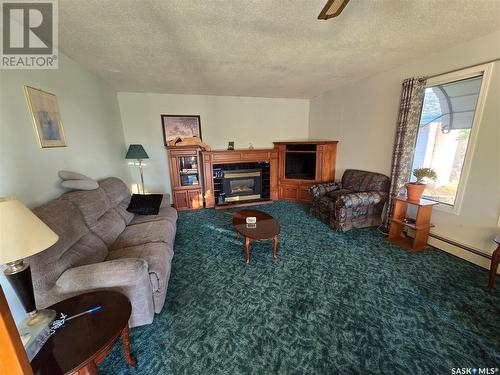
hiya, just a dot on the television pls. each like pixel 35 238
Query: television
pixel 300 166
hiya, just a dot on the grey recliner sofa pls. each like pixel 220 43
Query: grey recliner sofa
pixel 103 246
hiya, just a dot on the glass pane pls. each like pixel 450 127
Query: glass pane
pixel 188 170
pixel 241 186
pixel 443 136
pixel 188 163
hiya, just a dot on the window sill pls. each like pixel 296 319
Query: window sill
pixel 452 210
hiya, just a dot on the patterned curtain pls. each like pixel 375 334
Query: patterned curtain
pixel 410 108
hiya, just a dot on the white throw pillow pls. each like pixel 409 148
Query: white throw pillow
pixel 68 175
pixel 86 184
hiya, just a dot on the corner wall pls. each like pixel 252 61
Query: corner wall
pixel 362 117
pixel 244 120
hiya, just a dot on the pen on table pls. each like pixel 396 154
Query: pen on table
pixel 89 311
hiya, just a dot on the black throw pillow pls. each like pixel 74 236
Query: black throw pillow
pixel 145 204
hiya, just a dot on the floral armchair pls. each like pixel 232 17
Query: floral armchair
pixel 355 202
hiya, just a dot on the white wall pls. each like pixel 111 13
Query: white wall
pixel 362 116
pixel 93 131
pixel 223 118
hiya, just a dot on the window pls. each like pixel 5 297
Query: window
pixel 448 124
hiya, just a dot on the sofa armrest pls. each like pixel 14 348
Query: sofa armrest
pixel 109 274
pixel 319 190
pixel 165 201
pixel 366 198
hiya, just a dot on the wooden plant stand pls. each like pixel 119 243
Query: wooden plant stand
pixel 421 226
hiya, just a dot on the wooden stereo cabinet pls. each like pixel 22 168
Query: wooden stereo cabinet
pixel 302 164
pixel 186 177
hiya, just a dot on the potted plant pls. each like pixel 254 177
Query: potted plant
pixel 414 190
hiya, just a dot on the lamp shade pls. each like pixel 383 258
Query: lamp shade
pixel 22 233
pixel 136 152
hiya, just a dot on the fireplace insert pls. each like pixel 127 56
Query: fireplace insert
pixel 242 185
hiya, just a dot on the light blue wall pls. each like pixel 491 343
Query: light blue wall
pixel 93 130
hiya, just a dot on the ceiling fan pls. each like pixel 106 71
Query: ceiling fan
pixel 332 9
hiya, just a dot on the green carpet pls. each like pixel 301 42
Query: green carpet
pixel 332 303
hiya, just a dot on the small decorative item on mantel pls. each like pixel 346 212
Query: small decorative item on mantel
pixel 230 146
pixel 414 190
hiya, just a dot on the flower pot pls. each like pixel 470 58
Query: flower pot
pixel 414 191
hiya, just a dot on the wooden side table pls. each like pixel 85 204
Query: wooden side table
pixel 495 259
pixel 82 343
pixel 421 226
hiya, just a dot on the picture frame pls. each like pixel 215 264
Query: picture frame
pixel 180 126
pixel 46 117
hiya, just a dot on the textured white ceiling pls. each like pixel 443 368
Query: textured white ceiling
pixel 268 48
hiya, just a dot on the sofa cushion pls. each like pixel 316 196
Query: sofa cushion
pixel 121 208
pixel 76 246
pixel 109 226
pixel 91 203
pixel 357 180
pixel 119 195
pixel 158 255
pixel 115 189
pixel 46 268
pixel 336 193
pixel 361 199
pixel 166 213
pixel 65 220
pixel 138 234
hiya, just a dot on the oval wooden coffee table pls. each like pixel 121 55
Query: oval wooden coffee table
pixel 266 228
pixel 82 343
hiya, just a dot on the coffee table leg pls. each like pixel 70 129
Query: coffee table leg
pixel 131 361
pixel 275 247
pixel 247 249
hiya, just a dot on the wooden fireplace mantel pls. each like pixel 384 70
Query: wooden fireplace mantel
pixel 238 156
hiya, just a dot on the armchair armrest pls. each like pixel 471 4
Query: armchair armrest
pixel 360 199
pixel 319 190
pixel 109 274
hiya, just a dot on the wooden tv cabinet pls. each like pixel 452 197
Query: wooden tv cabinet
pixel 319 166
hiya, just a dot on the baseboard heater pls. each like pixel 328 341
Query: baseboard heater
pixel 460 245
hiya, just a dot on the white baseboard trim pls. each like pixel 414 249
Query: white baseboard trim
pixel 480 260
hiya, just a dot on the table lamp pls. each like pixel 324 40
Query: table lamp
pixel 138 152
pixel 22 234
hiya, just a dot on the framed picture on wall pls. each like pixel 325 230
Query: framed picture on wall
pixel 178 126
pixel 46 117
